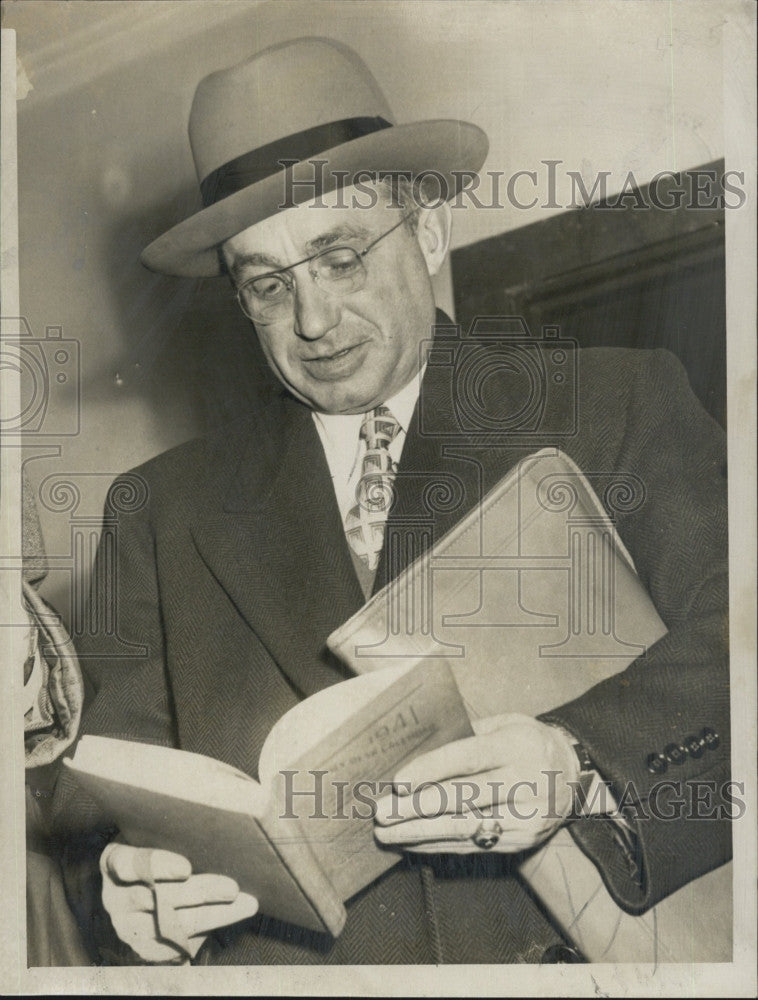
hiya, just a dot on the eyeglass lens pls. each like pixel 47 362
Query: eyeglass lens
pixel 340 268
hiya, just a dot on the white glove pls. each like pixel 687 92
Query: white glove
pixel 160 909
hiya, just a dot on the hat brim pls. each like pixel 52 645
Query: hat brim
pixel 450 148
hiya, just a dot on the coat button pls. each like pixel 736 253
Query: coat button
pixel 675 753
pixel 710 738
pixel 695 747
pixel 560 954
pixel 656 763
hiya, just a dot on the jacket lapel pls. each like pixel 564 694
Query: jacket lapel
pixel 444 472
pixel 278 547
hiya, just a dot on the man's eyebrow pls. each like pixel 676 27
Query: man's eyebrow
pixel 336 235
pixel 241 261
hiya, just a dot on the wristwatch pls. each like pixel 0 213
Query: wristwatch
pixel 593 797
pixel 591 793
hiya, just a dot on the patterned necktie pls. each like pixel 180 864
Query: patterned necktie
pixel 364 525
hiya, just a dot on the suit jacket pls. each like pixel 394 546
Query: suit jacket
pixel 231 569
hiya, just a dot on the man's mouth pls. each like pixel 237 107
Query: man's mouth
pixel 338 364
pixel 335 354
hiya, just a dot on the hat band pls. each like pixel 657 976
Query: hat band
pixel 249 168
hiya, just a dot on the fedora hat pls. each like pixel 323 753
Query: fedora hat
pixel 311 102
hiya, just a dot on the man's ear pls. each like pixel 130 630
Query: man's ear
pixel 433 233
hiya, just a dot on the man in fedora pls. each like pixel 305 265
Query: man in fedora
pixel 258 541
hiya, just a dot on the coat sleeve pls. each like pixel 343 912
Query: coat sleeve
pixel 659 731
pixel 121 652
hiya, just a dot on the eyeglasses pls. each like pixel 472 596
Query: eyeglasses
pixel 268 297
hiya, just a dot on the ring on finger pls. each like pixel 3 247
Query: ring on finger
pixel 487 834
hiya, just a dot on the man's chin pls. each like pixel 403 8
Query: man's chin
pixel 341 396
pixel 344 401
pixel 342 407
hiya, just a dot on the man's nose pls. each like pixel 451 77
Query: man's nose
pixel 316 312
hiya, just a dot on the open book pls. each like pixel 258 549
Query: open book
pixel 300 840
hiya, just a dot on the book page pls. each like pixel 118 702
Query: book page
pixel 302 728
pixel 332 786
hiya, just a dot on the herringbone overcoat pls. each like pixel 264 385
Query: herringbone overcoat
pixel 231 569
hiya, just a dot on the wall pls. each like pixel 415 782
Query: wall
pixel 104 167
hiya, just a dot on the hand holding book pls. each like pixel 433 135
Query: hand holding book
pixel 516 773
pixel 297 844
pixel 160 909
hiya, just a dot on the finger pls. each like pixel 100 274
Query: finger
pixel 444 847
pixel 438 828
pixel 508 844
pixel 195 891
pixel 468 756
pixel 202 899
pixel 493 722
pixel 431 799
pixel 528 744
pixel 459 826
pixel 203 919
pixel 455 834
pixel 143 864
pixel 493 794
pixel 199 890
pixel 476 792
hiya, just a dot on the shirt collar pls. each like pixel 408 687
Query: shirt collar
pixel 338 428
